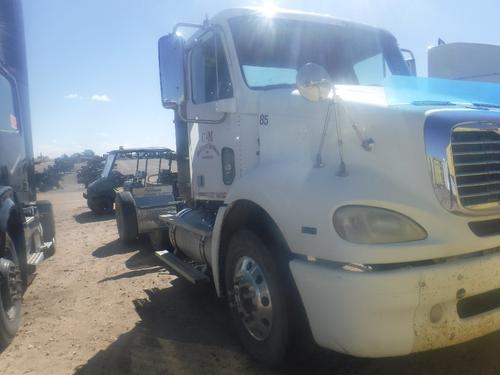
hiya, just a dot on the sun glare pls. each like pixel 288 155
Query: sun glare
pixel 268 9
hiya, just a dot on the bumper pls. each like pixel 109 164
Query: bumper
pixel 388 313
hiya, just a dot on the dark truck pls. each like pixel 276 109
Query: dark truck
pixel 27 231
pixel 124 165
pixel 151 191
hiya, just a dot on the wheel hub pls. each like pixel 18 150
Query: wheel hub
pixel 11 284
pixel 253 298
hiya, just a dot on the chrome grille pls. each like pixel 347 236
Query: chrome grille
pixel 476 161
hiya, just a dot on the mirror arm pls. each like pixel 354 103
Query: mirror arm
pixel 408 51
pixel 187 24
pixel 202 121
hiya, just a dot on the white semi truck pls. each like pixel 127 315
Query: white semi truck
pixel 321 210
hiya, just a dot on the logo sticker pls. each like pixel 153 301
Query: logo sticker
pixel 207 151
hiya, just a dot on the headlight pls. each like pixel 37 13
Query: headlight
pixel 371 225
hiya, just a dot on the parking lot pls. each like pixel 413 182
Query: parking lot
pixel 99 307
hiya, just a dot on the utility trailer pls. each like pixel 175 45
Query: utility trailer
pixel 27 230
pixel 329 196
pixel 121 166
pixel 150 190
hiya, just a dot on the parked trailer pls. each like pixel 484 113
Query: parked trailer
pixel 27 231
pixel 322 210
pixel 121 166
pixel 148 192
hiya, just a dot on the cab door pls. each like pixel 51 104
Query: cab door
pixel 13 163
pixel 213 122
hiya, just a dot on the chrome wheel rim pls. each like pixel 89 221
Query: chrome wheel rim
pixel 253 298
pixel 11 283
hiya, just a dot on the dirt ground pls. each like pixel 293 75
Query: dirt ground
pixel 98 307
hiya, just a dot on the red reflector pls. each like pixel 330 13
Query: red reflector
pixel 13 122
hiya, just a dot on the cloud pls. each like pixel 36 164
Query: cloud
pixel 72 96
pixel 95 98
pixel 100 98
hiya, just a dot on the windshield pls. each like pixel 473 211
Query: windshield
pixel 271 50
pixel 131 163
pixel 109 164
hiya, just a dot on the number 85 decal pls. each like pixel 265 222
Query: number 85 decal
pixel 264 120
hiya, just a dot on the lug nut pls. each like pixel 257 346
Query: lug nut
pixel 436 313
pixel 460 293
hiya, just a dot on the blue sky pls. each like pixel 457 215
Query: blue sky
pixel 93 63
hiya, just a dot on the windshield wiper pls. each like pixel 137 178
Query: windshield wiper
pixel 487 105
pixel 447 103
pixel 433 103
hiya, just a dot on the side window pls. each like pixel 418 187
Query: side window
pixel 371 71
pixel 8 119
pixel 210 77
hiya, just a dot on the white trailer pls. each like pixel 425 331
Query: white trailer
pixel 316 207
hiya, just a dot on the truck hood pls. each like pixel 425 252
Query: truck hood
pixel 372 95
pixel 421 91
pixel 393 115
pixel 380 131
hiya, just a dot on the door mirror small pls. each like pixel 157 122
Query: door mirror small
pixel 313 82
pixel 410 61
pixel 171 59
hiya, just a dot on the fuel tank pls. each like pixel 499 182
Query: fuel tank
pixel 191 233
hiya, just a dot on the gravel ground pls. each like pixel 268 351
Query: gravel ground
pixel 98 307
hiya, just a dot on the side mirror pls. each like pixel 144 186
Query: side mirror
pixel 410 61
pixel 313 82
pixel 171 59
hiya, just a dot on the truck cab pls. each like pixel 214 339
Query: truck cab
pixel 330 196
pixel 27 230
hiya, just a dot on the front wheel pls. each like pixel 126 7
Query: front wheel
pixel 126 217
pixel 101 206
pixel 257 298
pixel 11 289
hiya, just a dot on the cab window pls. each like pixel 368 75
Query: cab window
pixel 372 70
pixel 8 119
pixel 210 79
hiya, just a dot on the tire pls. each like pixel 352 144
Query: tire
pixel 47 220
pixel 101 205
pixel 126 217
pixel 264 332
pixel 10 316
pixel 159 240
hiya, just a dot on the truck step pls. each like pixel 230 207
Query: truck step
pixel 184 269
pixel 35 259
pixel 47 247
